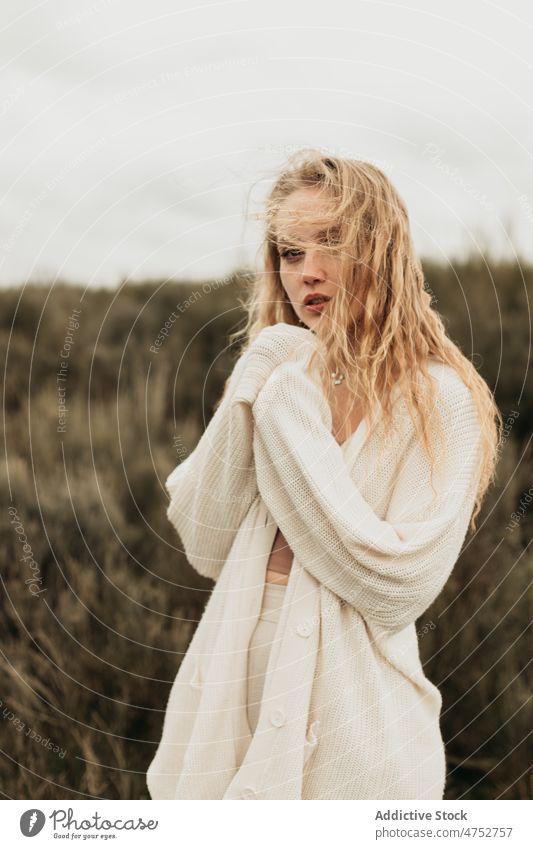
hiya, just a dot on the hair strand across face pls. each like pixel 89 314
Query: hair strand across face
pixel 365 222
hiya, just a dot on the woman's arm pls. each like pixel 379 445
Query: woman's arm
pixel 392 570
pixel 213 488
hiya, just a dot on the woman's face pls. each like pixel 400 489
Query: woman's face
pixel 305 272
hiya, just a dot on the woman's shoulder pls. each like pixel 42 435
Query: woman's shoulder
pixel 449 384
pixel 449 403
pixel 458 415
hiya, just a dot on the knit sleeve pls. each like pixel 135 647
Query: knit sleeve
pixel 390 570
pixel 212 489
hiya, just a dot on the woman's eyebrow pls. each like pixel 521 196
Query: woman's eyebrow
pixel 283 239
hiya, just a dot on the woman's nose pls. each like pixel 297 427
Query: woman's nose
pixel 313 267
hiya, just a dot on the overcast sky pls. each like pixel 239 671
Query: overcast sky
pixel 138 138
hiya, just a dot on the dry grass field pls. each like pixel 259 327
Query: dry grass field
pixel 98 604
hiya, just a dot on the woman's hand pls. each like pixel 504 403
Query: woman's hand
pixel 273 346
pixel 279 341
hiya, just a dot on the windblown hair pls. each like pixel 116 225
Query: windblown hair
pixel 396 329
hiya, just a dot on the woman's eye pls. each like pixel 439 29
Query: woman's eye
pixel 292 253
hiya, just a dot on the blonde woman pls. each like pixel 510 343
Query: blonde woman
pixel 329 499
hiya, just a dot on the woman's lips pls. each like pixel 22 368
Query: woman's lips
pixel 315 307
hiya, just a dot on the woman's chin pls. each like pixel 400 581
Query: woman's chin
pixel 311 318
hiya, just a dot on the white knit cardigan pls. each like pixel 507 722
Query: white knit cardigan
pixel 347 712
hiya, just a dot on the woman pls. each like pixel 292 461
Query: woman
pixel 329 499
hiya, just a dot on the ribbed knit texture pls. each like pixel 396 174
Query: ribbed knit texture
pixel 347 711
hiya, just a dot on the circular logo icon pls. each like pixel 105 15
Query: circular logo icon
pixel 31 822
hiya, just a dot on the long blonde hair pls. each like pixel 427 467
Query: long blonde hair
pixel 397 328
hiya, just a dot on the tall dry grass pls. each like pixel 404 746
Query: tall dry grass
pixel 88 663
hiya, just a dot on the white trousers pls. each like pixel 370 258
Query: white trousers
pixel 259 648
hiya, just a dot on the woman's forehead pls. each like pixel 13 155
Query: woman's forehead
pixel 308 233
pixel 306 219
pixel 303 203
